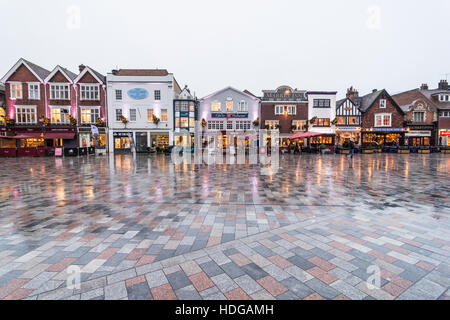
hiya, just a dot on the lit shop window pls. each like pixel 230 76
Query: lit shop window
pixel 149 115
pixel 215 125
pixel 164 115
pixel 243 106
pixel 341 120
pixel 272 124
pixel 353 120
pixel 322 122
pixel 184 122
pixel 382 120
pixel 16 90
pixel 59 92
pixel 33 91
pixel 118 114
pixel 59 115
pixel 191 122
pixel 229 104
pixel 89 92
pixel 132 114
pixel 157 95
pixel 299 125
pixel 26 115
pixel 215 106
pixel 321 140
pixel 383 104
pixel 89 115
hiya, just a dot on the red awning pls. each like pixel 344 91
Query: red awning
pixel 304 135
pixel 28 135
pixel 59 135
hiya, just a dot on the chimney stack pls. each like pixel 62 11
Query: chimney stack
pixel 352 94
pixel 115 72
pixel 424 86
pixel 81 67
pixel 443 85
pixel 374 90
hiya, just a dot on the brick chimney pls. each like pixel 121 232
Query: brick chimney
pixel 352 94
pixel 374 90
pixel 424 86
pixel 443 85
pixel 81 67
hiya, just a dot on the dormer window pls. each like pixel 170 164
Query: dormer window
pixel 382 103
pixel 444 97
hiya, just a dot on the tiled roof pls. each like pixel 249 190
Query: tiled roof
pixel 142 72
pixel 69 73
pixel 365 102
pixel 41 72
pixel 406 99
pixel 440 105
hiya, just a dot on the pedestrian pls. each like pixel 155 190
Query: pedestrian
pixel 351 146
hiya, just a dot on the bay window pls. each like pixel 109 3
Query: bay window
pixel 184 122
pixel 89 92
pixel 25 114
pixel 89 115
pixel 59 92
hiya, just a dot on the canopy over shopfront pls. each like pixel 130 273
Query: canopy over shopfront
pixel 305 135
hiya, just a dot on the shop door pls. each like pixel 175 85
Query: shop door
pixel 141 142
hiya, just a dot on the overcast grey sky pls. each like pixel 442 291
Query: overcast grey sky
pixel 255 45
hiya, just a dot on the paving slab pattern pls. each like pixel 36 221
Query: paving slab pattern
pixel 149 229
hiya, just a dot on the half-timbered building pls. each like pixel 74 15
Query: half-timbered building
pixel 348 119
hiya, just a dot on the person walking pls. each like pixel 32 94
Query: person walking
pixel 351 146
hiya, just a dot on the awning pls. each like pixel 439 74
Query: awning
pixel 29 135
pixel 304 135
pixel 59 135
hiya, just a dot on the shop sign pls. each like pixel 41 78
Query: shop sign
pixel 138 93
pixel 229 115
pixel 418 133
pixel 348 129
pixel 387 130
pixel 122 134
pixel 184 114
pixel 444 133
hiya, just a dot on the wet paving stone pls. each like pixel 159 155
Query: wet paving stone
pixel 311 231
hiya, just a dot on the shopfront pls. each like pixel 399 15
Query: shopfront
pixel 384 136
pixel 418 136
pixel 346 134
pixel 159 139
pixel 444 137
pixel 87 142
pixel 122 141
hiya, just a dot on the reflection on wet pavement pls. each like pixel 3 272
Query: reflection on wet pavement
pixel 78 208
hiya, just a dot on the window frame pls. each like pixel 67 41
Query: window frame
pixel 31 84
pixel 118 92
pixel 166 111
pixel 34 108
pixel 118 117
pixel 382 120
pixel 383 103
pixel 11 90
pixel 217 104
pixel 88 89
pixel 321 103
pixel 63 119
pixel 97 109
pixel 134 118
pixel 57 87
pixel 157 95
pixel 150 111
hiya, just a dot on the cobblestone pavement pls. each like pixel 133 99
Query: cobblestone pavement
pixel 148 229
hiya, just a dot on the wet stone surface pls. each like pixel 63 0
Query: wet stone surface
pixel 149 229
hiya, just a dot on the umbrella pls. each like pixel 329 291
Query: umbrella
pixel 303 135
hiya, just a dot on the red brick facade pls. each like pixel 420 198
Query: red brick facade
pixel 285 121
pixel 88 78
pixel 368 117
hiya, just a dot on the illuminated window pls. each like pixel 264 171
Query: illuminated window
pixel 59 92
pixel 89 115
pixel 229 104
pixel 149 115
pixel 383 120
pixel 353 120
pixel 184 122
pixel 322 122
pixel 33 91
pixel 192 123
pixel 177 122
pixel 341 120
pixel 16 90
pixel 89 92
pixel 192 107
pixel 25 115
pixel 60 115
pixel 300 125
pixel 164 115
pixel 215 106
pixel 272 124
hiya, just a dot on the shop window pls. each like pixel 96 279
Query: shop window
pixel 16 90
pixel 149 115
pixel 59 115
pixel 177 122
pixel 122 143
pixel 191 107
pixel 26 115
pixel 2 115
pixel 419 116
pixel 322 140
pixel 89 115
pixel 164 115
pixel 59 92
pixel 215 106
pixel 33 91
pixel 31 143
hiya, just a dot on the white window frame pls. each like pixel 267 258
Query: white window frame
pixel 382 120
pixel 217 103
pixel 89 89
pixel 115 114
pixel 422 112
pixel 28 108
pixel 153 113
pixel 135 115
pixel 11 84
pixel 272 123
pixel 229 100
pixel 243 125
pixel 302 124
pixel 230 125
pixel 157 92
pixel 30 84
pixel 279 109
pixel 53 89
pixel 383 103
pixel 90 115
pixel 117 93
pixel 63 119
pixel 243 106
pixel 167 114
pixel 215 125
